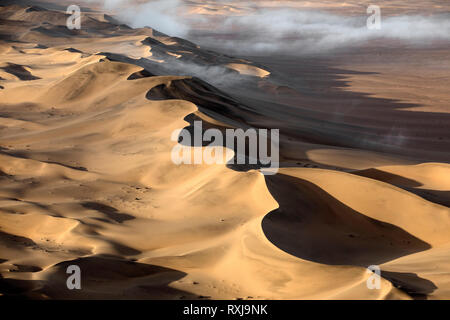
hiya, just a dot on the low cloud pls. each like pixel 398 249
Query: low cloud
pixel 260 29
pixel 217 75
pixel 298 31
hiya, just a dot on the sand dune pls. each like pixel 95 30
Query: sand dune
pixel 87 178
pixel 249 70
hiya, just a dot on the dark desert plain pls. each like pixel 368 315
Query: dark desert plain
pixel 87 179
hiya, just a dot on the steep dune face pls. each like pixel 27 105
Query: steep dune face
pixel 399 221
pixel 87 179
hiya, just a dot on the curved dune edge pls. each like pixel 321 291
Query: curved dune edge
pixel 87 180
